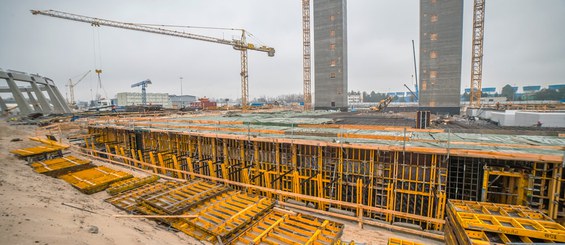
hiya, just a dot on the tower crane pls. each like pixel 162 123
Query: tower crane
pixel 477 54
pixel 72 85
pixel 238 44
pixel 143 85
pixel 306 58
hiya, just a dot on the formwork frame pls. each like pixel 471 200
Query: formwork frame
pixel 410 183
pixel 323 172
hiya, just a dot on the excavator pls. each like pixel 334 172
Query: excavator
pixel 382 105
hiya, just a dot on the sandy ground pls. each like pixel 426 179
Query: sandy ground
pixel 31 210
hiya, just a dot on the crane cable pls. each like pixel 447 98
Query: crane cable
pixel 98 61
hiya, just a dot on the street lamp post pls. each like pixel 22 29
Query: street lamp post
pixel 181 100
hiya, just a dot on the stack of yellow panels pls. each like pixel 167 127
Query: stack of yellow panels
pixel 225 215
pixel 95 179
pixel 184 197
pixel 282 227
pixel 128 200
pixel 60 166
pixel 37 152
pixel 471 222
pixel 130 184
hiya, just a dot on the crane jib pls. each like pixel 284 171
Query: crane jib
pixel 241 45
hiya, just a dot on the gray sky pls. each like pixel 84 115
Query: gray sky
pixel 524 45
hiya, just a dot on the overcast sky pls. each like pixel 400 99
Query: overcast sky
pixel 524 45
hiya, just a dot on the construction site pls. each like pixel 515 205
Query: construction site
pixel 440 171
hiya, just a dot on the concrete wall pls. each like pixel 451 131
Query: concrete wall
pixel 548 119
pixel 526 118
pixel 504 118
pixel 330 54
pixel 441 35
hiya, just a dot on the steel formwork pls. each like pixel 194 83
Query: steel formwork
pixel 392 184
pixel 410 183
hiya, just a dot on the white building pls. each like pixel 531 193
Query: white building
pixel 354 98
pixel 133 98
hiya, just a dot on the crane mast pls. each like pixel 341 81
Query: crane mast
pixel 306 52
pixel 477 54
pixel 240 45
pixel 72 88
pixel 143 85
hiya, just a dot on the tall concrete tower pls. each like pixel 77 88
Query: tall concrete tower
pixel 330 54
pixel 441 37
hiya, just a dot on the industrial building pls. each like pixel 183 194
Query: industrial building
pixel 181 101
pixel 441 38
pixel 330 54
pixel 134 98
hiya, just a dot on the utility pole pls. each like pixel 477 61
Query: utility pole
pixel 181 100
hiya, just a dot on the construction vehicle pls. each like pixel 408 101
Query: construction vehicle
pixel 238 44
pixel 415 74
pixel 143 85
pixel 382 105
pixel 71 86
pixel 412 92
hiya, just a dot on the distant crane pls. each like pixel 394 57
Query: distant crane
pixel 143 85
pixel 240 45
pixel 72 85
pixel 415 73
pixel 477 54
pixel 415 94
pixel 306 56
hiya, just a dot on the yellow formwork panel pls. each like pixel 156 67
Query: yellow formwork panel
pixel 95 179
pixel 34 151
pixel 50 142
pixel 221 217
pixel 62 165
pixel 285 227
pixel 454 236
pixel 129 184
pixel 398 241
pixel 181 198
pixel 476 222
pixel 128 200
